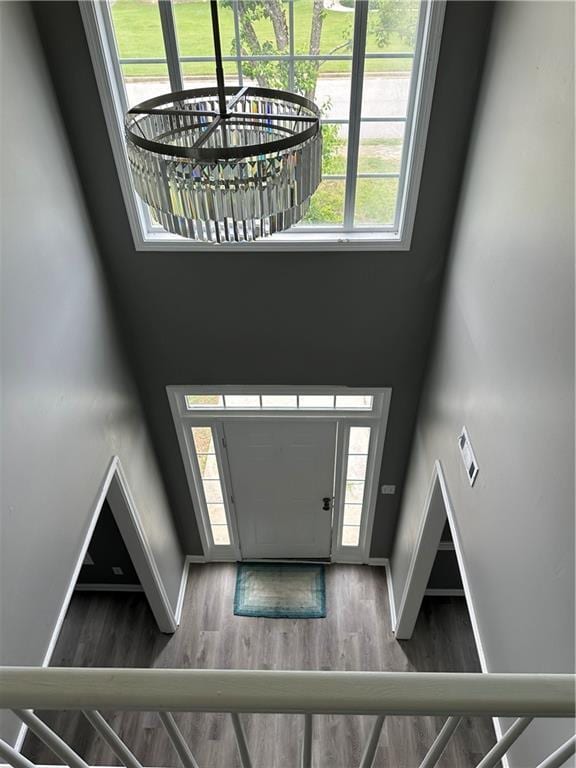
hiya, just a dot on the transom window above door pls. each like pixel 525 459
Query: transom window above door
pixel 369 65
pixel 272 402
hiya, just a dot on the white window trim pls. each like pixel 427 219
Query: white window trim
pixel 376 418
pixel 99 33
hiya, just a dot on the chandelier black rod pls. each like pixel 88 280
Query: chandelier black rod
pixel 218 57
pixel 207 133
pixel 237 97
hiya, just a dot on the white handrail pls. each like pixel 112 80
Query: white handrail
pixel 367 693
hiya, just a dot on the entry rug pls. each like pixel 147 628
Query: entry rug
pixel 280 591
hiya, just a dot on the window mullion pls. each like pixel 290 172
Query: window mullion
pixel 358 55
pixel 423 20
pixel 238 46
pixel 170 44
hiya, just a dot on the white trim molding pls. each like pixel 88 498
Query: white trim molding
pixel 128 520
pixel 438 481
pixel 391 597
pixel 385 563
pixel 114 488
pixel 188 561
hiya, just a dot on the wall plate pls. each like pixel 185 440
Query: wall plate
pixel 468 457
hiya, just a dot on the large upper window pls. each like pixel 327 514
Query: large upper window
pixel 368 64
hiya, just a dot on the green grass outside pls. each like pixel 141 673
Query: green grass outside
pixel 375 156
pixel 138 32
pixel 139 35
pixel 375 202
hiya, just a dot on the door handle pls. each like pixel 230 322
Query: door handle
pixel 326 503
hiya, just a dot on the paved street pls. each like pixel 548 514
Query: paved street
pixel 383 96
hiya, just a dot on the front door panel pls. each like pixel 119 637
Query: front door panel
pixel 281 472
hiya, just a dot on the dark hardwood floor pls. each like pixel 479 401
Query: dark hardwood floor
pixel 117 629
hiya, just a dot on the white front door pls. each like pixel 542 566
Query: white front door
pixel 282 475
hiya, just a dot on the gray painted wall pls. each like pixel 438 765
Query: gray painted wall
pixel 504 358
pixel 67 404
pixel 360 319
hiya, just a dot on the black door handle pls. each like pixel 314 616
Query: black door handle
pixel 326 502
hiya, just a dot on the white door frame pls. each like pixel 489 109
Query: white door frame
pixel 116 491
pixel 414 591
pixel 128 520
pixel 423 555
pixel 376 418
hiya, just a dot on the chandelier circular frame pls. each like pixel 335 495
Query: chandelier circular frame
pixel 162 124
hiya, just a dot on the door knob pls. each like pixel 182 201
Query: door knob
pixel 326 503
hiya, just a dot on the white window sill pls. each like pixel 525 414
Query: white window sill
pixel 287 241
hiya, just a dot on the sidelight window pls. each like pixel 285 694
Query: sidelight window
pixel 212 490
pixel 355 493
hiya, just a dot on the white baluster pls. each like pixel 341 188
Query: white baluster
pixel 182 749
pixel 560 756
pixel 245 759
pixel 372 745
pixel 307 742
pixel 51 739
pixel 502 746
pixel 111 738
pixel 440 742
pixel 13 758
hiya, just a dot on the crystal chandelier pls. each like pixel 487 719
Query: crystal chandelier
pixel 225 164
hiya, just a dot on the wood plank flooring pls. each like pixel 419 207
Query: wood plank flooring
pixel 117 629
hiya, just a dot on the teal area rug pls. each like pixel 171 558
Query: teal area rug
pixel 280 591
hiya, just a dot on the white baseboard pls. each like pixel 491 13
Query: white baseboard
pixel 108 588
pixel 183 582
pixel 391 599
pixel 385 563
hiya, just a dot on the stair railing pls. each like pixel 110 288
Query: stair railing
pixel 378 694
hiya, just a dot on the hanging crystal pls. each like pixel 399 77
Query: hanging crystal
pixel 220 170
pixel 225 180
